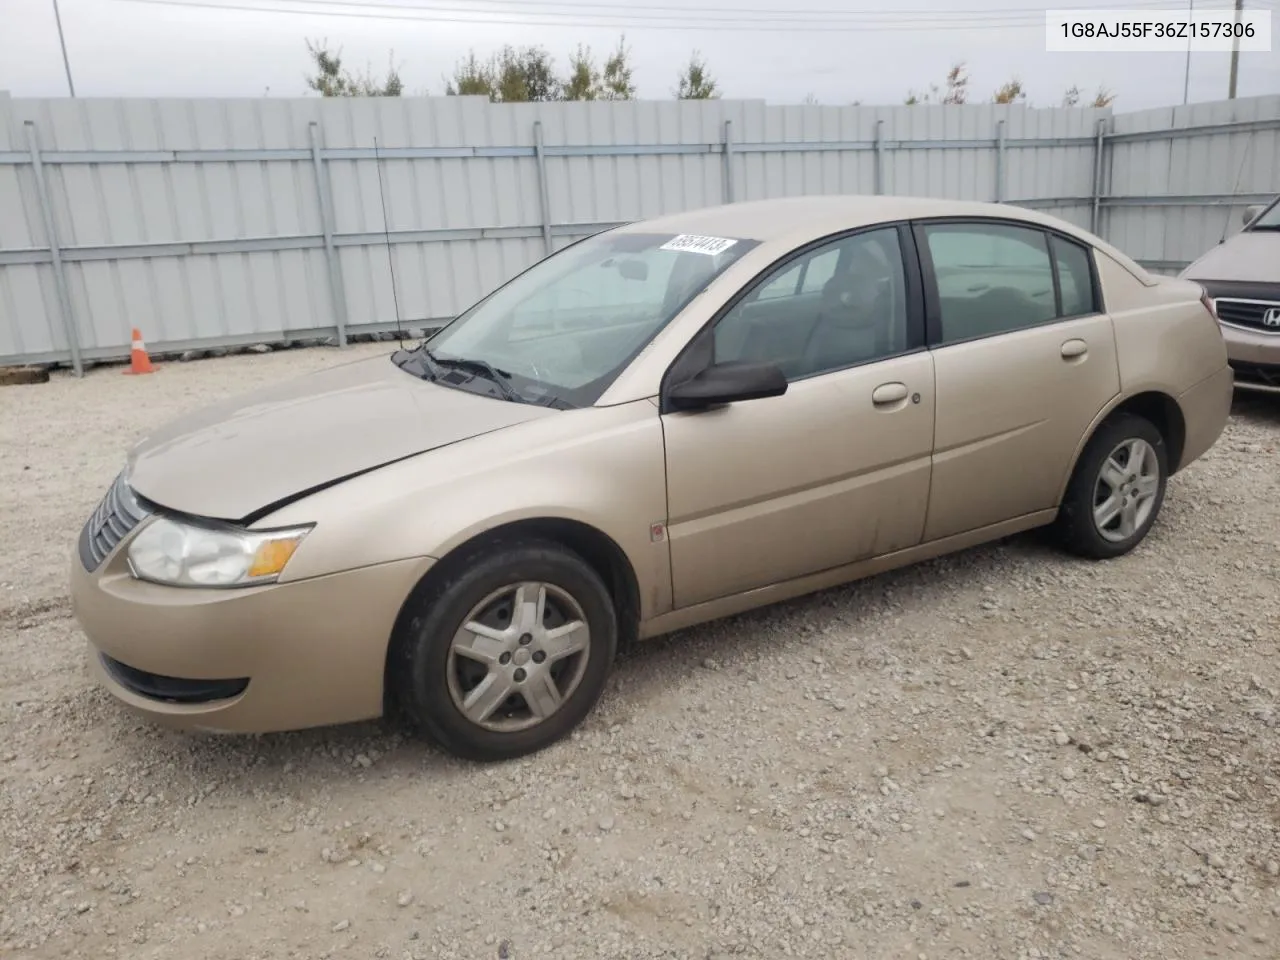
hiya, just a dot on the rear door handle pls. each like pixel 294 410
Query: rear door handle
pixel 888 393
pixel 1074 348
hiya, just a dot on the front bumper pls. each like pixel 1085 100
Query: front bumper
pixel 1255 356
pixel 276 657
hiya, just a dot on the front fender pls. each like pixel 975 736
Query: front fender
pixel 600 466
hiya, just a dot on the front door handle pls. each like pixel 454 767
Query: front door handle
pixel 888 393
pixel 1073 349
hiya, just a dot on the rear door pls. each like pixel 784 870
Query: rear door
pixel 1024 359
pixel 837 468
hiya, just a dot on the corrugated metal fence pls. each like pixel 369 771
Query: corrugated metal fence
pixel 1175 181
pixel 222 222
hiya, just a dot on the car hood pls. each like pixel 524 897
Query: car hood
pixel 232 460
pixel 1251 257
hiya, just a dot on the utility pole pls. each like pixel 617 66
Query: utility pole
pixel 66 64
pixel 1235 55
pixel 1186 79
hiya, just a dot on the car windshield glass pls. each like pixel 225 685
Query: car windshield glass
pixel 563 330
pixel 1270 220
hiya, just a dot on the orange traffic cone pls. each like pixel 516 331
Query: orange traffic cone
pixel 139 362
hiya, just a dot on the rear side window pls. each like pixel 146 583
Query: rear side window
pixel 995 278
pixel 1074 278
pixel 992 278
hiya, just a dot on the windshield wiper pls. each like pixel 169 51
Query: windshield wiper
pixel 407 359
pixel 554 402
pixel 500 378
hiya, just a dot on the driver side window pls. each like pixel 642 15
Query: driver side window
pixel 841 304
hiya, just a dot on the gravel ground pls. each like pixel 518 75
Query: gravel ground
pixel 1002 754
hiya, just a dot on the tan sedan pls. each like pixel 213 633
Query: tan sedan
pixel 659 425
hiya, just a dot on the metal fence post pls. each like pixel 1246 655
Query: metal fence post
pixel 879 156
pixel 544 199
pixel 1000 161
pixel 1099 146
pixel 728 161
pixel 336 288
pixel 55 252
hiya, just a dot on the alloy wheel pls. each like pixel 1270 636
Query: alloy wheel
pixel 1124 493
pixel 518 656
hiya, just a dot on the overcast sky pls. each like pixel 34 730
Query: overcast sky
pixel 125 48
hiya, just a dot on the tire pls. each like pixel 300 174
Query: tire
pixel 523 597
pixel 1078 528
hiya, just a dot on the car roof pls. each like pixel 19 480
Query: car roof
pixel 798 220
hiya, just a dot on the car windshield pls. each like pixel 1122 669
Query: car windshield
pixel 562 331
pixel 1270 220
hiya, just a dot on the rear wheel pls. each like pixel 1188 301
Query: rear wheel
pixel 508 655
pixel 1117 489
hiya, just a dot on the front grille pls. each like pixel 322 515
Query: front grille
pixel 1267 375
pixel 155 686
pixel 1253 314
pixel 118 513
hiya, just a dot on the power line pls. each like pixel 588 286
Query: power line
pixel 628 21
pixel 686 12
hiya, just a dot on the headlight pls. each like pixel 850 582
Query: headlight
pixel 185 555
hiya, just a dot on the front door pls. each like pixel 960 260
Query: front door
pixel 1025 359
pixel 835 470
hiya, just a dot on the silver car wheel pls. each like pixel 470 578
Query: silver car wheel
pixel 518 656
pixel 1125 492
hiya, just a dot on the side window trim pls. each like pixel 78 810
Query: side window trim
pixel 929 278
pixel 804 272
pixel 689 361
pixel 1049 248
pixel 1095 285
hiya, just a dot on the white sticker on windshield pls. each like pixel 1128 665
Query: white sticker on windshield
pixel 691 243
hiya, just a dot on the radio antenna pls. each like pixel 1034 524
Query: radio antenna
pixel 386 235
pixel 1235 190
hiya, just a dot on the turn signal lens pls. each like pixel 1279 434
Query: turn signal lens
pixel 271 556
pixel 1208 303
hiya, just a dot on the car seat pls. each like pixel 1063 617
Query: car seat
pixel 855 317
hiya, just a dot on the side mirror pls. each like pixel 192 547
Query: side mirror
pixel 1250 214
pixel 730 382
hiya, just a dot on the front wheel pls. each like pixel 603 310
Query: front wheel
pixel 509 655
pixel 1116 491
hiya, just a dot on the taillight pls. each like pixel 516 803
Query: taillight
pixel 1208 303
